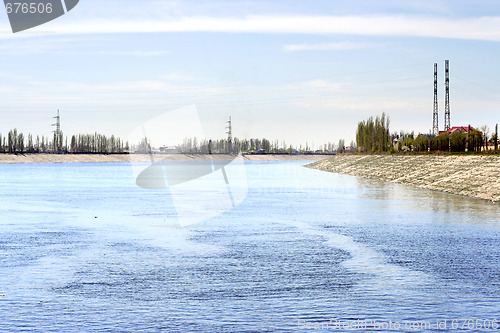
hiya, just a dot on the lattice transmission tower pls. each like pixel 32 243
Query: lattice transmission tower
pixel 447 124
pixel 57 133
pixel 435 117
pixel 229 135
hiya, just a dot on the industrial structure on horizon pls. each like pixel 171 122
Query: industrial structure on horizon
pixel 435 117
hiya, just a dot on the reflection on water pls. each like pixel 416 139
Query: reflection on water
pixel 410 197
pixel 82 248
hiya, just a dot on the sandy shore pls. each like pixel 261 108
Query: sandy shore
pixel 472 176
pixel 82 158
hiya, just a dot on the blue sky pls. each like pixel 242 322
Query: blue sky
pixel 300 71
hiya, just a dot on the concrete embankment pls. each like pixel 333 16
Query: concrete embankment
pixel 475 176
pixel 80 158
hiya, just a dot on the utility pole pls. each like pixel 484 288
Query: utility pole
pixel 57 132
pixel 229 136
pixel 496 137
pixel 467 140
pixel 447 124
pixel 435 125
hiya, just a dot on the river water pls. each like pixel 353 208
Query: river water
pixel 82 248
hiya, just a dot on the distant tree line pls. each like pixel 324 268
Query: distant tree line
pixel 17 143
pixel 458 141
pixel 260 146
pixel 373 134
pixel 97 143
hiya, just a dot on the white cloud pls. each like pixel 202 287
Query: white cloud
pixel 323 84
pixel 34 45
pixel 482 28
pixel 340 46
pixel 374 105
pixel 133 53
pixel 179 76
pixel 114 92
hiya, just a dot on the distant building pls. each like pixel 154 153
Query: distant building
pixel 452 130
pixel 170 150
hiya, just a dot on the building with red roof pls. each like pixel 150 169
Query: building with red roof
pixel 452 130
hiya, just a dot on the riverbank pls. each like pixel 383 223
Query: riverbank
pixel 474 176
pixel 95 158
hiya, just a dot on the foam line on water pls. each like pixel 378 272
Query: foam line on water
pixel 367 261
